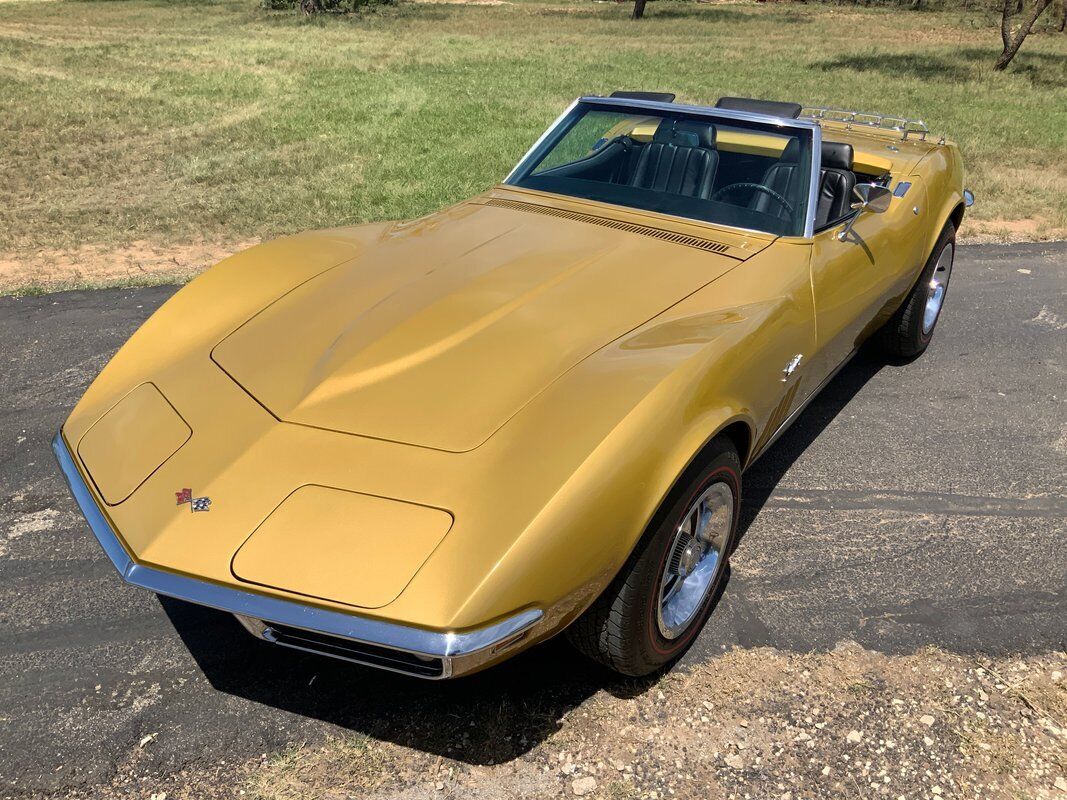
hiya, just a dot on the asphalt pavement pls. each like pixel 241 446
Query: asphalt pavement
pixel 912 504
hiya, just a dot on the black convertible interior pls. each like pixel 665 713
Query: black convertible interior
pixel 681 171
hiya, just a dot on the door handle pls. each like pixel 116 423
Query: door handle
pixel 791 367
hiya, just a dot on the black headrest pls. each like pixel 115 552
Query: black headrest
pixel 685 133
pixel 791 152
pixel 772 107
pixel 658 97
pixel 836 155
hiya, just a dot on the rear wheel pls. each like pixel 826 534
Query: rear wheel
pixel 909 331
pixel 650 614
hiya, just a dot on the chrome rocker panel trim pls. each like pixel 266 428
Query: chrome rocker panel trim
pixel 457 652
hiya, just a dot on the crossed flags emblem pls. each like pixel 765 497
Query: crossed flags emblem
pixel 195 503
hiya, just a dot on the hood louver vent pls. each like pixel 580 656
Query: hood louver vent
pixel 644 230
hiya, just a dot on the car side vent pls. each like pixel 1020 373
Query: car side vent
pixel 644 230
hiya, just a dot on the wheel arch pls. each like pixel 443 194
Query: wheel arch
pixel 740 433
pixel 956 217
pixel 739 430
pixel 944 177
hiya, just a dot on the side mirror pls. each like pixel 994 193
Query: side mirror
pixel 870 197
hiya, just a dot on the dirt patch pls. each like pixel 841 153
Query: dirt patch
pixel 145 262
pixel 1004 231
pixel 752 723
pixel 95 265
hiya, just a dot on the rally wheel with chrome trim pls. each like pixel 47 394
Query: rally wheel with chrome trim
pixel 909 331
pixel 662 597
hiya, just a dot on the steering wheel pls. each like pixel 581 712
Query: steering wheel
pixel 758 187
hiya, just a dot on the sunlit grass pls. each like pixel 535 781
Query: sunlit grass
pixel 220 121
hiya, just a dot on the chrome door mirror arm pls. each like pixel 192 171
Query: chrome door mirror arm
pixel 871 197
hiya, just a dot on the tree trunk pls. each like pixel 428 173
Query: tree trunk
pixel 1012 43
pixel 1007 11
pixel 639 9
pixel 1063 16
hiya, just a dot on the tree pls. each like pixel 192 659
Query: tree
pixel 639 9
pixel 1013 37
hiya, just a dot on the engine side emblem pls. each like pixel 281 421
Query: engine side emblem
pixel 195 503
pixel 791 367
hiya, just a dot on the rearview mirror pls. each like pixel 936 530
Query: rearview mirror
pixel 870 197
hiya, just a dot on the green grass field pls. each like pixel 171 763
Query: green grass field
pixel 173 122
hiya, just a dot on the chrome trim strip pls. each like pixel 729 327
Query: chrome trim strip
pixel 705 111
pixel 800 409
pixel 541 138
pixel 814 183
pixel 433 644
pixel 98 524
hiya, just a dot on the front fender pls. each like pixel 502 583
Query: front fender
pixel 942 172
pixel 603 447
pixel 209 307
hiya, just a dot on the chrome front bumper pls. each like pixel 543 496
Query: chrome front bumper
pixel 375 643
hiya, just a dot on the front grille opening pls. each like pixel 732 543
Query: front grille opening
pixel 369 654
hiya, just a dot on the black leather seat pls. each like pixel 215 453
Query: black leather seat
pixel 782 177
pixel 836 182
pixel 680 159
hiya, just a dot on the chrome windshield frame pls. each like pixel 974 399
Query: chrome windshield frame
pixel 702 112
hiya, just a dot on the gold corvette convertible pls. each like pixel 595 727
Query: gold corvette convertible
pixel 424 446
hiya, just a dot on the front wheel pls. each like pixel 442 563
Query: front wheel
pixel 909 331
pixel 662 597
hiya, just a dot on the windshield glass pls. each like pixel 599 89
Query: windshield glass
pixel 713 169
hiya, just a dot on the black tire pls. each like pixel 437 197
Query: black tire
pixel 903 335
pixel 620 629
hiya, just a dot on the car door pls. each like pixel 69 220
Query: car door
pixel 857 280
pixel 772 292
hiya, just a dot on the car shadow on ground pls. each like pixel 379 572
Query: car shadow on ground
pixel 487 718
pixel 762 477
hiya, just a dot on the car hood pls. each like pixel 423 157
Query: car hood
pixel 439 332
